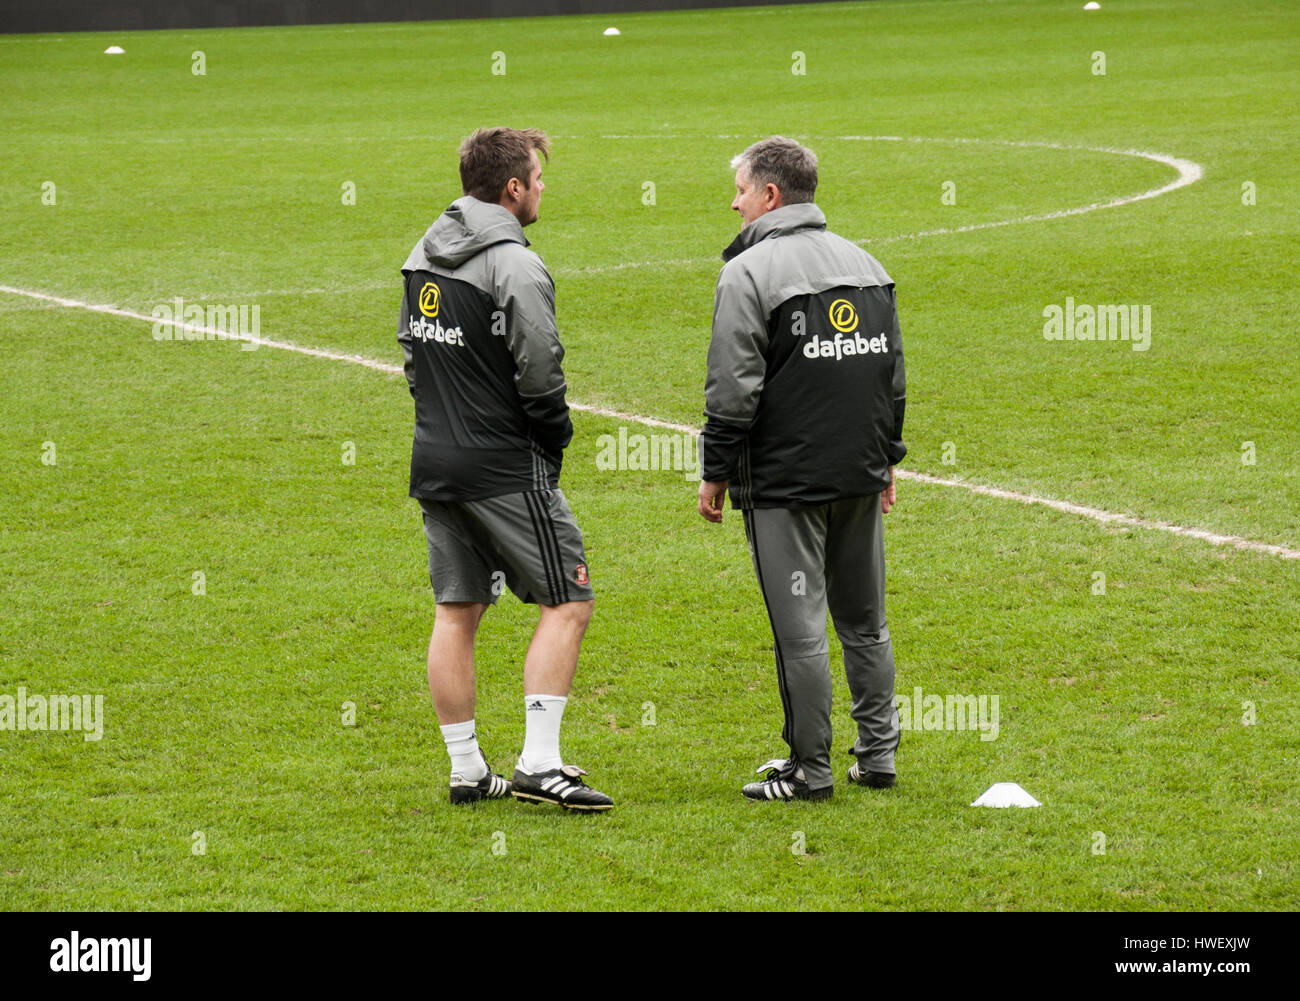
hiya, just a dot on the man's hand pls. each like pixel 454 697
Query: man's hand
pixel 887 496
pixel 711 496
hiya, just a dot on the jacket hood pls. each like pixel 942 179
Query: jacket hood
pixel 466 228
pixel 779 222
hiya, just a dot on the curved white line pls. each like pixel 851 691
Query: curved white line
pixel 1189 172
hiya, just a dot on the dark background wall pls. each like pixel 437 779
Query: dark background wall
pixel 84 15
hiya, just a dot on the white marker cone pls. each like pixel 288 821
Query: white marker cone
pixel 612 31
pixel 1092 5
pixel 114 50
pixel 1006 794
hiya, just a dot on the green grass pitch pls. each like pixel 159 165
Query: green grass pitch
pixel 1126 713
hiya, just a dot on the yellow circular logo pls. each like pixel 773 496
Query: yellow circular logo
pixel 843 316
pixel 429 296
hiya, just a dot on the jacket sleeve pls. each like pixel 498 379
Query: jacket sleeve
pixel 526 294
pixel 737 368
pixel 404 339
pixel 896 447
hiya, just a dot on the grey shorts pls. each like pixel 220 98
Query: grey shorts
pixel 527 542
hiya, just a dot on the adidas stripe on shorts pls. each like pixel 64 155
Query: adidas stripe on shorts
pixel 528 542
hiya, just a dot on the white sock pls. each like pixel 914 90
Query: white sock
pixel 542 715
pixel 462 745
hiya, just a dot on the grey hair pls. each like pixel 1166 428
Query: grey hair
pixel 783 162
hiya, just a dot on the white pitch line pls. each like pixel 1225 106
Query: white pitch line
pixel 1108 517
pixel 266 342
pixel 1066 507
pixel 1189 172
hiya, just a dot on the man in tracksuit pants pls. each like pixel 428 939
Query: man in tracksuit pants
pixel 804 420
pixel 482 359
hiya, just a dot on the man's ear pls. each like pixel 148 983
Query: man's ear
pixel 771 193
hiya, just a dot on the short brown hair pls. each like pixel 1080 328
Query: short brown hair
pixel 783 162
pixel 490 157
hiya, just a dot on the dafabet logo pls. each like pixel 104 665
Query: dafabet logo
pixel 424 331
pixel 844 317
pixel 847 342
pixel 429 297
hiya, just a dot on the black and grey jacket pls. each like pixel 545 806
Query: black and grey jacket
pixel 482 358
pixel 805 393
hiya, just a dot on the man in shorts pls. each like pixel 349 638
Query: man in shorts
pixel 483 361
